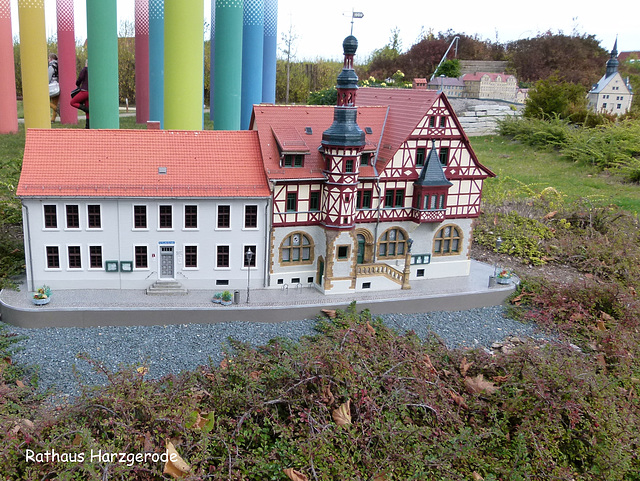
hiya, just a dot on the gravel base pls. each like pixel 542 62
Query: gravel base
pixel 176 348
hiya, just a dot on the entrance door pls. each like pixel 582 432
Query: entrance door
pixel 319 277
pixel 361 244
pixel 166 262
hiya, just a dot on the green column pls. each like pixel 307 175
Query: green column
pixel 102 44
pixel 34 64
pixel 228 65
pixel 183 64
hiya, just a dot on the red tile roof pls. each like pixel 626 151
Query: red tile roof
pixel 278 122
pixel 126 163
pixel 406 108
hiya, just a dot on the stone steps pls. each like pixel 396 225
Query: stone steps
pixel 166 288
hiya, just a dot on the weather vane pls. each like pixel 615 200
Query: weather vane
pixel 355 14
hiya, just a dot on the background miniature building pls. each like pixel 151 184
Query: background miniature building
pixel 612 94
pixel 486 85
pixel 453 87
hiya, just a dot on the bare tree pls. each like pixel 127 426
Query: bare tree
pixel 289 51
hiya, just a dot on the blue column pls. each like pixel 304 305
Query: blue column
pixel 252 51
pixel 156 61
pixel 270 51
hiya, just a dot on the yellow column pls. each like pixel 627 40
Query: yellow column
pixel 34 62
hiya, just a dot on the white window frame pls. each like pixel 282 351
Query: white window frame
pixel 44 222
pixel 230 217
pixel 173 218
pixel 66 227
pixel 184 256
pixel 244 218
pixel 95 229
pixel 255 259
pixel 89 268
pixel 82 261
pixel 133 248
pixel 133 218
pixel 184 217
pixel 216 268
pixel 46 259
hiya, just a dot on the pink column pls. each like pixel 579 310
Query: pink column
pixel 66 60
pixel 8 106
pixel 142 61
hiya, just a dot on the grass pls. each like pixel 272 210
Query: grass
pixel 518 165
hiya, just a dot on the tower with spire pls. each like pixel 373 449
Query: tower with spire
pixel 341 146
pixel 612 94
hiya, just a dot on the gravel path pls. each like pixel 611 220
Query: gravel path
pixel 176 348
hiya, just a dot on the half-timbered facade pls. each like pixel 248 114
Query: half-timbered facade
pixel 370 194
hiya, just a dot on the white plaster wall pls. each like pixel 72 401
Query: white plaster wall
pixel 287 272
pixel 118 238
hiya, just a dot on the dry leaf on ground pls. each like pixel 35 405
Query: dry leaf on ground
pixel 175 465
pixel 459 400
pixel 294 475
pixel 479 384
pixel 464 366
pixel 342 415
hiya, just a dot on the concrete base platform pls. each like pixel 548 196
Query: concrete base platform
pixel 86 308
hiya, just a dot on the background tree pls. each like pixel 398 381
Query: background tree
pixel 578 58
pixel 126 62
pixel 288 50
pixel 449 68
pixel 555 98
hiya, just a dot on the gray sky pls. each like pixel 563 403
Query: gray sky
pixel 321 26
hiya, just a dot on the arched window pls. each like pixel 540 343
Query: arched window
pixel 447 241
pixel 392 243
pixel 296 248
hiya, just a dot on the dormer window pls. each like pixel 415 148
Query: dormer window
pixel 365 158
pixel 293 160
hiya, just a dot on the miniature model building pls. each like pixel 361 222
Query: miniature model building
pixel 612 94
pixel 371 194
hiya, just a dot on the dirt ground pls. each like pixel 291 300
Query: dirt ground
pixel 555 273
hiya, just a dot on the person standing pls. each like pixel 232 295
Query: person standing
pixel 81 99
pixel 53 77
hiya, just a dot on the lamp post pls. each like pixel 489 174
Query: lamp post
pixel 249 256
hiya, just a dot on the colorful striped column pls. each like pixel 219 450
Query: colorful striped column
pixel 102 44
pixel 156 61
pixel 228 65
pixel 34 62
pixel 66 60
pixel 142 61
pixel 212 54
pixel 270 51
pixel 252 51
pixel 8 106
pixel 183 60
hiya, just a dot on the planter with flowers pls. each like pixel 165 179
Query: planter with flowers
pixel 42 296
pixel 504 276
pixel 225 298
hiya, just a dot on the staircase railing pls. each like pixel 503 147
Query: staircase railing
pixel 391 273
